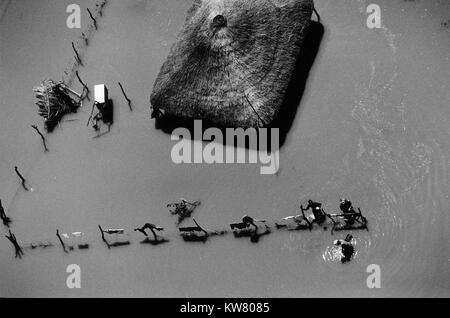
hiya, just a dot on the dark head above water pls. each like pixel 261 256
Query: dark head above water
pixel 233 60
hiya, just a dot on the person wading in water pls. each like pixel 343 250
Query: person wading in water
pixel 316 208
pixel 347 248
pixel 346 207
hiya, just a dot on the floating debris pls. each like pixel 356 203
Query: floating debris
pixel 55 101
pixel 183 209
pixel 41 245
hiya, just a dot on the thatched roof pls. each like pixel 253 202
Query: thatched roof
pixel 233 61
pixel 54 101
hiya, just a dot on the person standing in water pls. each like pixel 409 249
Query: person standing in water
pixel 347 208
pixel 316 208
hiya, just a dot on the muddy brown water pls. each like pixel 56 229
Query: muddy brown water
pixel 372 126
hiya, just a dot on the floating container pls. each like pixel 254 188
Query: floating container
pixel 101 93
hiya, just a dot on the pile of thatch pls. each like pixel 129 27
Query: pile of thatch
pixel 55 101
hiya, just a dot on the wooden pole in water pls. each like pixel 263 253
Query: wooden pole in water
pixel 70 90
pixel 202 229
pixel 77 56
pixel 6 220
pixel 61 241
pixel 12 238
pixel 84 86
pixel 126 97
pixel 42 137
pixel 92 17
pixel 21 178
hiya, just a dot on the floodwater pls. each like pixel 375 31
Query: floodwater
pixel 372 125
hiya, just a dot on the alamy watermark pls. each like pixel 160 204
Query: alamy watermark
pixel 374 278
pixel 374 17
pixel 73 281
pixel 74 19
pixel 259 151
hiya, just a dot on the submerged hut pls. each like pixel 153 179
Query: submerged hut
pixel 54 101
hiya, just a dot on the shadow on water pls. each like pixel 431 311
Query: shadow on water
pixel 292 99
pixel 297 85
pixel 254 234
pixel 116 244
pixel 154 242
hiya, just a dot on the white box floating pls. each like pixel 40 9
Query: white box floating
pixel 101 93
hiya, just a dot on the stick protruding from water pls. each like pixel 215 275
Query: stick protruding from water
pixel 21 178
pixel 85 87
pixel 77 56
pixel 92 17
pixel 42 137
pixel 126 97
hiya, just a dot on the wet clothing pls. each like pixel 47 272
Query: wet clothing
pixel 345 206
pixel 347 248
pixel 347 252
pixel 316 209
